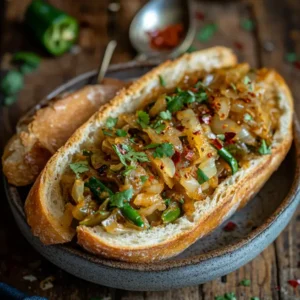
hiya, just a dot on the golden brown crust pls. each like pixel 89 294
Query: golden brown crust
pixel 43 225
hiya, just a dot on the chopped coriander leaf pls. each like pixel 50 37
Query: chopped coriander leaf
pixel 230 296
pixel 174 103
pixel 120 155
pixel 130 155
pixel 233 86
pixel 207 32
pixel 247 24
pixel 167 202
pixel 165 115
pixel 119 198
pixel 291 57
pixel 199 84
pixel 121 132
pixel 11 83
pixel 201 176
pixel 247 117
pixel 87 152
pixel 245 282
pixel 143 119
pixel 27 68
pixel 143 178
pixel 105 132
pixel 162 81
pixel 29 58
pixel 219 298
pixel 181 201
pixel 159 126
pixel 191 49
pixel 79 167
pixel 111 122
pixel 127 171
pixel 255 298
pixel 151 146
pixel 221 136
pixel 164 150
pixel 264 149
pixel 247 80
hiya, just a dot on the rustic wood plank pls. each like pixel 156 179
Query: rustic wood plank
pixel 282 18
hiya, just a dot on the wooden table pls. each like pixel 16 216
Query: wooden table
pixel 276 33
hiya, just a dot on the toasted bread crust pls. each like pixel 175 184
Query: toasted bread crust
pixel 237 195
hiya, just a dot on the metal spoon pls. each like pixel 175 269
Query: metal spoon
pixel 158 14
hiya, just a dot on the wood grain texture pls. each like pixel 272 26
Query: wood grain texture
pixel 277 24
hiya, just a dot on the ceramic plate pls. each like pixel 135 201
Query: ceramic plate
pixel 220 253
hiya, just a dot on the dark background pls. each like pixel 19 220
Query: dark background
pixel 276 34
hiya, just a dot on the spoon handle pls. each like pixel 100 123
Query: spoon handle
pixel 110 48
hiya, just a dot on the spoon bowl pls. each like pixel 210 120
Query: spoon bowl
pixel 157 14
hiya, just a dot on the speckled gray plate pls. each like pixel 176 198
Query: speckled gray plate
pixel 220 253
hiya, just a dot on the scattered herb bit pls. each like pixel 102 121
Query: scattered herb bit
pixel 151 146
pixel 230 296
pixel 247 80
pixel 119 198
pixel 264 149
pixel 127 171
pixel 11 83
pixel 247 117
pixel 247 24
pixel 29 61
pixel 164 150
pixel 255 298
pixel 159 126
pixel 181 201
pixel 291 57
pixel 79 167
pixel 207 32
pixel 233 86
pixel 162 81
pixel 245 282
pixel 230 226
pixel 168 201
pixel 105 132
pixel 191 49
pixel 126 153
pixel 143 178
pixel 121 132
pixel 201 176
pixel 9 100
pixel 294 283
pixel 221 136
pixel 143 118
pixel 111 122
pixel 165 115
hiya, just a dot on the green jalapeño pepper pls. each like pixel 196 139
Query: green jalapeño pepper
pixel 227 156
pixel 53 28
pixel 132 214
pixel 171 214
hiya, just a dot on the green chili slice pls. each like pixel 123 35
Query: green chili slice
pixel 132 214
pixel 227 156
pixel 171 214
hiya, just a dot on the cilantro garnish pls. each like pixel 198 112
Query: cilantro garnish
pixel 129 155
pixel 11 83
pixel 181 201
pixel 127 171
pixel 168 201
pixel 247 117
pixel 191 49
pixel 9 100
pixel 165 115
pixel 291 57
pixel 227 296
pixel 28 58
pixel 79 167
pixel 105 132
pixel 119 198
pixel 121 132
pixel 151 146
pixel 245 282
pixel 255 298
pixel 201 176
pixel 207 32
pixel 143 178
pixel 247 24
pixel 264 149
pixel 164 150
pixel 247 80
pixel 143 118
pixel 111 122
pixel 162 81
pixel 159 126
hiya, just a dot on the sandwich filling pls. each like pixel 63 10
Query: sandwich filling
pixel 148 168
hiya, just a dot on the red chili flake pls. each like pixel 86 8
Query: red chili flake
pixel 297 65
pixel 151 177
pixel 176 157
pixel 247 100
pixel 277 288
pixel 217 144
pixel 230 226
pixel 206 119
pixel 180 127
pixel 294 283
pixel 251 94
pixel 229 136
pixel 197 132
pixel 238 45
pixel 162 167
pixel 199 15
pixel 189 154
pixel 209 155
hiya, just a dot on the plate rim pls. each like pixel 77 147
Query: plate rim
pixel 13 197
